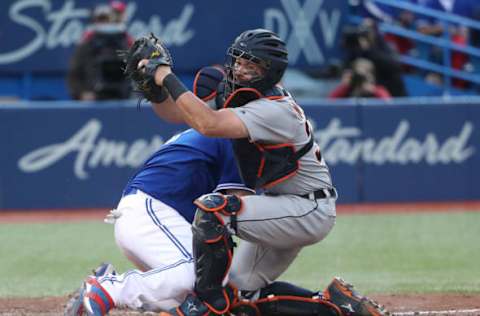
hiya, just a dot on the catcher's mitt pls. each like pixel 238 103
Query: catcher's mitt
pixel 154 50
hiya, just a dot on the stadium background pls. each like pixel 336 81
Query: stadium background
pixel 62 155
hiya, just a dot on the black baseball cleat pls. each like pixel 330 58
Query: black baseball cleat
pixel 192 306
pixel 350 302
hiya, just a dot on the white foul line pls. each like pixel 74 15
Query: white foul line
pixel 464 312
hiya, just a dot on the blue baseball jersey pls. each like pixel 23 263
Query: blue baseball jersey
pixel 186 167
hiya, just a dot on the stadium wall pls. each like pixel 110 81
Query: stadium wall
pixel 78 155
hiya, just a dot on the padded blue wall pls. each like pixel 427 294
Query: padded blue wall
pixel 68 154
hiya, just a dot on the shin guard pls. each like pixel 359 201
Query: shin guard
pixel 213 249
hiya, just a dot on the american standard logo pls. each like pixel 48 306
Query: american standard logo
pixel 340 144
pixel 91 151
pixel 344 144
pixel 65 26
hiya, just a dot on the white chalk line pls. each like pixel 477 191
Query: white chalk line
pixel 464 312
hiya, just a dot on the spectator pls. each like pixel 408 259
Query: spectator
pixel 457 34
pixel 359 82
pixel 366 42
pixel 402 45
pixel 430 26
pixel 95 71
pixel 474 35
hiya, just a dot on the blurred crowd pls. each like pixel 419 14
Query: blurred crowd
pixel 95 70
pixel 370 65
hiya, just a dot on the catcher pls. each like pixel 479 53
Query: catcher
pixel 274 148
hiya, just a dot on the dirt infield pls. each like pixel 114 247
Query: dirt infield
pixel 435 304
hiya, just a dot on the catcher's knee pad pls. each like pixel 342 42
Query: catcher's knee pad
pixel 213 248
pixel 282 298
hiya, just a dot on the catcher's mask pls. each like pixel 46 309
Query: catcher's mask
pixel 262 48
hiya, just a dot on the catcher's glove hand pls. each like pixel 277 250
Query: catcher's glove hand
pixel 143 78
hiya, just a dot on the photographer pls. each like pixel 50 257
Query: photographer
pixel 95 71
pixel 365 42
pixel 359 82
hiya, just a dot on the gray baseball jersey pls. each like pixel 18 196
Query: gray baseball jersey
pixel 275 226
pixel 283 121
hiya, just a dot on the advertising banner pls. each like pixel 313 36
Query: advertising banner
pixel 69 155
pixel 39 35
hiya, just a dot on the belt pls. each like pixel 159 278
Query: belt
pixel 320 194
pixel 129 191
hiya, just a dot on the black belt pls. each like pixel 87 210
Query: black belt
pixel 320 194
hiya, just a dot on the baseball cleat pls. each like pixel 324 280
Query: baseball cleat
pixel 74 306
pixel 350 302
pixel 192 306
pixel 104 269
pixel 96 301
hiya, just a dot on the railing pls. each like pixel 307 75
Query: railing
pixel 443 42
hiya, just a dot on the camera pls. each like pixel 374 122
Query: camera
pixel 358 79
pixel 362 78
pixel 109 80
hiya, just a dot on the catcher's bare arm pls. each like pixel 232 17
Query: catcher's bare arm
pixel 168 111
pixel 197 114
pixel 221 123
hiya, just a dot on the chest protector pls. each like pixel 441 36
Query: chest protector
pixel 263 165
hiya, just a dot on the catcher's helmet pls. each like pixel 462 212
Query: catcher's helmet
pixel 262 47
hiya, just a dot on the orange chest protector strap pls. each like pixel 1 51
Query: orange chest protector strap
pixel 267 165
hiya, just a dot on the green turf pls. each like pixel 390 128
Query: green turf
pixel 52 259
pixel 378 253
pixel 397 253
